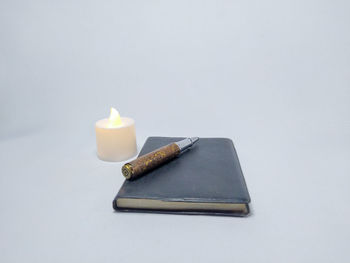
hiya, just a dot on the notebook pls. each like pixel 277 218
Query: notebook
pixel 204 180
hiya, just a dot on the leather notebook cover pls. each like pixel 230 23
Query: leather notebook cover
pixel 208 173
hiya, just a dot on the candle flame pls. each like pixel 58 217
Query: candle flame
pixel 114 119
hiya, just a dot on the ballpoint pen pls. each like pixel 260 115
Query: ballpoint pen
pixel 150 161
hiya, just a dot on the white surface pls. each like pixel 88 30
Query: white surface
pixel 271 75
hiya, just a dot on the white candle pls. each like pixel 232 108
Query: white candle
pixel 115 138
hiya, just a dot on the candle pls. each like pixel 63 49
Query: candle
pixel 115 138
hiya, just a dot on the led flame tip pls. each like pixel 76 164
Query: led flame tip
pixel 114 119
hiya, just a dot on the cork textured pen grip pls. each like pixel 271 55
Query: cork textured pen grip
pixel 149 161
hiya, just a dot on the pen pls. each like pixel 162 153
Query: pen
pixel 158 157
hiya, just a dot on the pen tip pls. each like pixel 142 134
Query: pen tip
pixel 194 139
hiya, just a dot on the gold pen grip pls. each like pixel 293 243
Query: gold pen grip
pixel 149 161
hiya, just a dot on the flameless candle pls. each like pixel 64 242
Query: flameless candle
pixel 115 138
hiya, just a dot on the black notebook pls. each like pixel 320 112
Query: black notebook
pixel 207 179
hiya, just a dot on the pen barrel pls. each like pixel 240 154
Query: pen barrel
pixel 149 161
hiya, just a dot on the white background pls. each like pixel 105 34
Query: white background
pixel 274 76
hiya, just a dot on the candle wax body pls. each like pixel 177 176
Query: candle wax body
pixel 116 144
